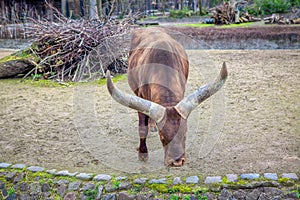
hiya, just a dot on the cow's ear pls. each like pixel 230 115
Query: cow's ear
pixel 185 106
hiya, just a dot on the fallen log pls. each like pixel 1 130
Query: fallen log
pixel 277 19
pixel 296 21
pixel 17 64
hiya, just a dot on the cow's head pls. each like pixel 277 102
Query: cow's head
pixel 172 132
pixel 171 121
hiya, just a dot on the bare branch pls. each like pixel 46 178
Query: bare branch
pixel 79 49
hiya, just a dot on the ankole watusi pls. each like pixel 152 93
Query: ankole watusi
pixel 157 73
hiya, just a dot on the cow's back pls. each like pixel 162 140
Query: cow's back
pixel 158 66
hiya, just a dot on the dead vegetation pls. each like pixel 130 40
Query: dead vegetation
pixel 66 48
pixel 229 13
pixel 280 19
pixel 76 50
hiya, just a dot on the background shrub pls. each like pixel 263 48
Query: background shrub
pixel 267 7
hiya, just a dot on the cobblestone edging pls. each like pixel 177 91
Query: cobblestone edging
pixel 18 181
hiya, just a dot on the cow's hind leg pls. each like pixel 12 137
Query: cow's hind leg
pixel 143 132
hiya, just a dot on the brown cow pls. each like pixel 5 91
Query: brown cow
pixel 157 73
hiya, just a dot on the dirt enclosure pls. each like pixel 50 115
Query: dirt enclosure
pixel 251 125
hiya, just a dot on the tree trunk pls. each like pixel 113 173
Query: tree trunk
pixel 200 6
pixel 64 7
pixel 2 9
pixel 195 6
pixel 93 10
pixel 82 10
pixel 163 2
pixel 50 11
pixel 99 6
pixel 112 8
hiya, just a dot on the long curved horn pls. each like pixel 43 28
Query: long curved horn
pixel 153 110
pixel 185 106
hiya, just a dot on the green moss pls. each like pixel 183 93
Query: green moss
pixel 68 178
pixel 183 188
pixel 101 183
pixel 2 179
pixel 199 191
pixel 56 197
pixel 17 170
pixel 30 176
pixel 283 180
pixel 226 181
pixel 162 188
pixel 20 55
pixel 241 182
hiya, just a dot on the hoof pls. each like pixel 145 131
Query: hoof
pixel 143 156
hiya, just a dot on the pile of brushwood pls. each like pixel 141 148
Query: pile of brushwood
pixel 229 13
pixel 77 50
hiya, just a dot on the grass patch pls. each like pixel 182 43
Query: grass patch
pixel 174 197
pixel 45 83
pixel 153 17
pixel 91 194
pixel 135 189
pixel 54 84
pixel 201 25
pixel 115 79
pixel 236 25
pixel 197 25
pixel 116 184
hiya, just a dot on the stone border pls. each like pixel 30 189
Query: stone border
pixel 18 181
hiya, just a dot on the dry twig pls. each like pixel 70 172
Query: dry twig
pixel 65 47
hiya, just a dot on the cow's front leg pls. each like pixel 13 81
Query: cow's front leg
pixel 143 132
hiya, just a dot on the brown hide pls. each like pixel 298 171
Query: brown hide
pixel 157 73
pixel 158 67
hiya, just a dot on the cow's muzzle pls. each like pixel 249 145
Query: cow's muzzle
pixel 175 163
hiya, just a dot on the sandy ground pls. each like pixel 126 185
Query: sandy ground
pixel 251 125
